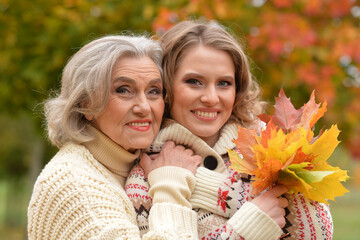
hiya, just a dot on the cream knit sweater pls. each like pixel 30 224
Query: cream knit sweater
pixel 248 223
pixel 222 197
pixel 80 195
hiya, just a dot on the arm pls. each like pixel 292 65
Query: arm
pixel 259 219
pixel 308 219
pixel 79 209
pixel 219 193
pixel 303 218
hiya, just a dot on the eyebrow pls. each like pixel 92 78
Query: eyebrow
pixel 189 75
pixel 132 81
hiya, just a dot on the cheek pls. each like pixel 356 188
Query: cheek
pixel 229 100
pixel 158 110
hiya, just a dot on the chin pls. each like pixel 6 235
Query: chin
pixel 143 145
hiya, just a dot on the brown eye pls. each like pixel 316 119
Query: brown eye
pixel 155 91
pixel 122 90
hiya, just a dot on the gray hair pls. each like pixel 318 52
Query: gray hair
pixel 86 82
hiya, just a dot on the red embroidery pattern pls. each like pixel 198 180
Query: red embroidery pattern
pixel 138 196
pixel 136 186
pixel 326 220
pixel 222 200
pixel 301 226
pixel 228 230
pixel 308 218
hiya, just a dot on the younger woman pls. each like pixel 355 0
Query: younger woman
pixel 209 92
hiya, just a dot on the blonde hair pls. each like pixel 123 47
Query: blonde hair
pixel 188 34
pixel 86 82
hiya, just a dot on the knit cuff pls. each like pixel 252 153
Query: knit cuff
pixel 253 224
pixel 206 191
pixel 171 184
pixel 169 217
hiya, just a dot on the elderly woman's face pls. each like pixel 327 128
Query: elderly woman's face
pixel 134 112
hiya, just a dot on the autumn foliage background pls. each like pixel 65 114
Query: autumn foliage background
pixel 298 45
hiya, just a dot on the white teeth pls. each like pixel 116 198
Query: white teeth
pixel 206 114
pixel 139 124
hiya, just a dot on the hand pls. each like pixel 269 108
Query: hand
pixel 170 155
pixel 273 204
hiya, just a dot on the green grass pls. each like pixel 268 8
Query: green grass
pixel 346 215
pixel 345 212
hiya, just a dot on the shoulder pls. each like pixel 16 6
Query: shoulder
pixel 73 188
pixel 73 159
pixel 74 173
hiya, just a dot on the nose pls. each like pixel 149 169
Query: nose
pixel 210 96
pixel 141 106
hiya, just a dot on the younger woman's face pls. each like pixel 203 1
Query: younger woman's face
pixel 204 91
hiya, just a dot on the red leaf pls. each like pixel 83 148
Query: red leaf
pixel 310 109
pixel 244 142
pixel 286 116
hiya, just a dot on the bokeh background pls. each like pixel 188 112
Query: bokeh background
pixel 298 45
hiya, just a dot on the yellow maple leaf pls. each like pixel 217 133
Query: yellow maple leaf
pixel 287 153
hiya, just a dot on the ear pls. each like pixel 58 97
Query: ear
pixel 89 117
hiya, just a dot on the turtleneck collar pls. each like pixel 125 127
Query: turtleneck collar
pixel 228 133
pixel 111 155
pixel 173 131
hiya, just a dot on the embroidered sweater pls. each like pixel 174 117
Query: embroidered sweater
pixel 222 197
pixel 80 195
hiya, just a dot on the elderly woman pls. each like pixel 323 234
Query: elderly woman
pixel 110 106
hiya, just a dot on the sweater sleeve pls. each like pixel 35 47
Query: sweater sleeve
pixel 249 223
pixel 307 219
pixel 73 203
pixel 222 194
pixel 171 187
pixel 171 184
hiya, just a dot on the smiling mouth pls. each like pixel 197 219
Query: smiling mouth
pixel 139 124
pixel 205 114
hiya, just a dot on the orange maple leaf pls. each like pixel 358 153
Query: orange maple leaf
pixel 288 153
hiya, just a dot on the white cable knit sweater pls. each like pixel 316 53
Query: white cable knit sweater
pixel 80 195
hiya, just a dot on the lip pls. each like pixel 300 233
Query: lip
pixel 141 125
pixel 206 114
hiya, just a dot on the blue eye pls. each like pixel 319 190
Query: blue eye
pixel 224 83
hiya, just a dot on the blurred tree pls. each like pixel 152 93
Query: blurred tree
pixel 37 38
pixel 298 45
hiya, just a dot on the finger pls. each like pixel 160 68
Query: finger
pixel 154 156
pixel 180 147
pixel 168 145
pixel 282 222
pixel 283 202
pixel 278 190
pixel 197 159
pixel 189 152
pixel 145 160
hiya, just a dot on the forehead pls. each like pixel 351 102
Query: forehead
pixel 135 67
pixel 202 57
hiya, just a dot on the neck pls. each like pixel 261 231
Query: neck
pixel 211 140
pixel 111 155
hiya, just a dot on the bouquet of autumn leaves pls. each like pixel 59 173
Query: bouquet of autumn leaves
pixel 287 152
